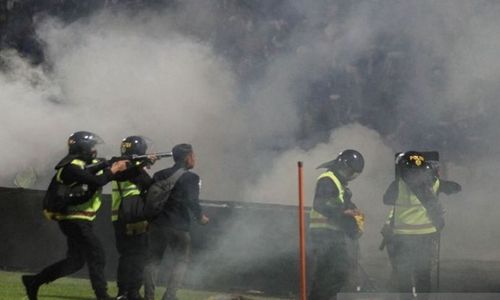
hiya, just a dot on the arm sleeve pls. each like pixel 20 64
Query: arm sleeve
pixel 98 166
pixel 129 173
pixel 72 173
pixel 424 191
pixel 191 184
pixel 325 199
pixel 348 204
pixel 449 187
pixel 137 175
pixel 391 194
pixel 143 180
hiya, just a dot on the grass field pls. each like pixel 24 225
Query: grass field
pixel 11 288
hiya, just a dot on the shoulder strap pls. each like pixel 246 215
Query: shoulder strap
pixel 393 217
pixel 169 182
pixel 120 191
pixel 172 180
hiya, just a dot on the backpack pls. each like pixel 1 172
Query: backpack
pixel 59 196
pixel 159 193
pixel 54 201
pixel 131 208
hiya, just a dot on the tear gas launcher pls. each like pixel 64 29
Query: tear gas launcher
pixel 132 158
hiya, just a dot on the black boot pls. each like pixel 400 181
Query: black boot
pixel 122 295
pixel 105 297
pixel 31 285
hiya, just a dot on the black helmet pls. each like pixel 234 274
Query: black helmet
pixel 413 166
pixel 348 164
pixel 351 164
pixel 411 160
pixel 134 144
pixel 82 143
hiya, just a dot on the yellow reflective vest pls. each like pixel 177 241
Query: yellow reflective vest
pixel 121 190
pixel 85 211
pixel 316 219
pixel 410 215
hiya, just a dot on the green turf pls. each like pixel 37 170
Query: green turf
pixel 11 288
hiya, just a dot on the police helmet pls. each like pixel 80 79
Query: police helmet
pixel 413 166
pixel 82 143
pixel 134 145
pixel 350 164
pixel 411 160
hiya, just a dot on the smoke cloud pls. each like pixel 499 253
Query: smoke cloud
pixel 376 76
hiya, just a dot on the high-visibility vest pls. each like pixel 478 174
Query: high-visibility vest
pixel 85 211
pixel 389 217
pixel 316 219
pixel 121 190
pixel 410 215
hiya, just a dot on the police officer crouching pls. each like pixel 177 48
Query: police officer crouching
pixel 131 238
pixel 76 219
pixel 332 218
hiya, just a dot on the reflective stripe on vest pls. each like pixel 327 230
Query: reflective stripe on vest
pixel 127 189
pixel 84 211
pixel 411 216
pixel 389 217
pixel 317 220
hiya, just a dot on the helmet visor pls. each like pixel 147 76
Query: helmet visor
pixel 97 140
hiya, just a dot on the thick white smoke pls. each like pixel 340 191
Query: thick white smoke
pixel 27 98
pixel 158 74
pixel 117 78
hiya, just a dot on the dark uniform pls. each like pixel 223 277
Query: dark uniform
pixel 329 228
pixel 416 220
pixel 171 228
pixel 129 188
pixel 76 222
pixel 131 238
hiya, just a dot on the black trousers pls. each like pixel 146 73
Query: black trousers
pixel 330 263
pixel 392 285
pixel 132 248
pixel 179 242
pixel 413 255
pixel 83 247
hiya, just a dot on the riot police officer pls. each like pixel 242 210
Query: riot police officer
pixel 416 219
pixel 131 237
pixel 333 217
pixel 76 219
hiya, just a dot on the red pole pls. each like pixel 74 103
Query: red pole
pixel 302 235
